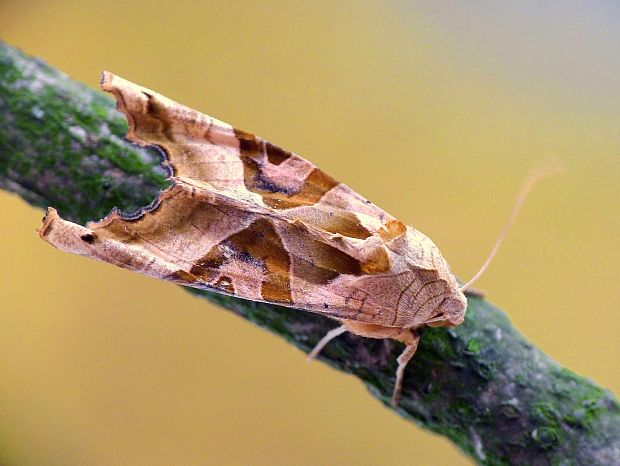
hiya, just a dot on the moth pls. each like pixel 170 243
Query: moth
pixel 248 219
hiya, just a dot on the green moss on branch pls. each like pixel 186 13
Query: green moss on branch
pixel 482 384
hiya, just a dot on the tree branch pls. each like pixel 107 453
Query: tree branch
pixel 482 385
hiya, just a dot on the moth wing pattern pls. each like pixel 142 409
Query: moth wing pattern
pixel 243 217
pixel 239 164
pixel 188 240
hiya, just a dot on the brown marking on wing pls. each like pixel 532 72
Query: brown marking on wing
pixel 259 243
pixel 147 118
pixel 155 118
pixel 255 147
pixel 263 243
pixel 313 273
pixel 225 283
pixel 248 143
pixel 181 276
pixel 254 153
pixel 89 238
pixel 207 266
pixel 275 154
pixel 314 188
pixel 392 229
pixel 316 261
pixel 333 220
pixel 378 262
pixel 347 224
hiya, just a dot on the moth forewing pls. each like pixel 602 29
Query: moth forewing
pixel 246 218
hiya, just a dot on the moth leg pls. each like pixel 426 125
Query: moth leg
pixel 410 339
pixel 329 336
pixel 405 335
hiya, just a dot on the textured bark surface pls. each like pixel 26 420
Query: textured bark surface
pixel 482 384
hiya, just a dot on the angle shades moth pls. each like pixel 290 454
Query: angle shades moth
pixel 246 218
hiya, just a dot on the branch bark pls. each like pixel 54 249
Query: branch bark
pixel 482 384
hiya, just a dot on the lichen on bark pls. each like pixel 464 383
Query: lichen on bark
pixel 61 141
pixel 482 384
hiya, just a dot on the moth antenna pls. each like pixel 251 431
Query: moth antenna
pixel 547 167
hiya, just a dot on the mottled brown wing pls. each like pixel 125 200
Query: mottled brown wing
pixel 192 239
pixel 245 218
pixel 242 166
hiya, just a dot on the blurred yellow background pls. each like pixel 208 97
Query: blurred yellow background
pixel 433 110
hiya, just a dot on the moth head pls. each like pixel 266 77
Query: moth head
pixel 431 295
pixel 450 312
pixel 449 301
pixel 432 298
